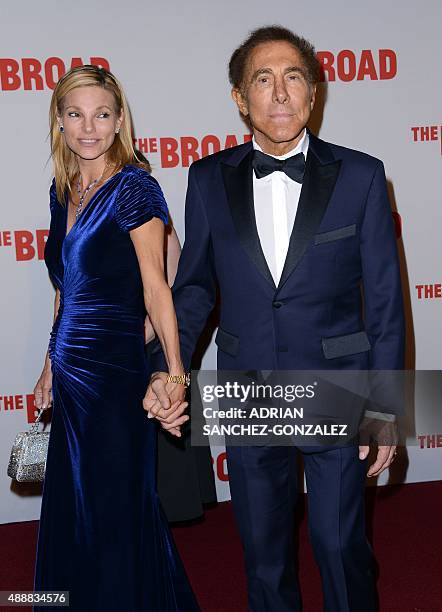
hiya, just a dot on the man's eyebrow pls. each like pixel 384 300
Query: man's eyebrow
pixel 260 71
pixel 295 69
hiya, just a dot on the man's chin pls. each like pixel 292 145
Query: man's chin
pixel 282 137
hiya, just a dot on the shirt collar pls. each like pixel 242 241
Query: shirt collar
pixel 301 147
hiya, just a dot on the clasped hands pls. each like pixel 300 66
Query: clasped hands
pixel 165 401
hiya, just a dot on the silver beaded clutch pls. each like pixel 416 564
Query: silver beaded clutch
pixel 28 455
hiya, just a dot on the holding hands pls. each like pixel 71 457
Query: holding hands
pixel 165 401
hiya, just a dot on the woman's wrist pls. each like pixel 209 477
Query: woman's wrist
pixel 176 368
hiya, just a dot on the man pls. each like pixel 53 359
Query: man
pixel 288 244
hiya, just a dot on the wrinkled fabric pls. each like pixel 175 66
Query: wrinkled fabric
pixel 103 536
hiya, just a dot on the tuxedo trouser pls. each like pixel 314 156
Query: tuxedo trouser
pixel 264 489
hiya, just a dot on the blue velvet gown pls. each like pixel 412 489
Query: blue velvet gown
pixel 103 536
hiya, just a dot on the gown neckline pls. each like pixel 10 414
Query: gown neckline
pixel 105 184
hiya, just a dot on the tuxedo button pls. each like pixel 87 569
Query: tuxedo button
pixel 277 304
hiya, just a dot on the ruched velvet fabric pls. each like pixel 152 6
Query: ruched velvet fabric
pixel 103 536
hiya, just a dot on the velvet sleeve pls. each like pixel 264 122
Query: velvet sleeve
pixel 139 200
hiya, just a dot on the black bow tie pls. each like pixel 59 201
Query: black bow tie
pixel 264 165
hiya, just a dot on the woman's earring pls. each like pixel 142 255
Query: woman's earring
pixel 117 131
pixel 61 129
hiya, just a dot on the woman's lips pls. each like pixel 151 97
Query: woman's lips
pixel 88 142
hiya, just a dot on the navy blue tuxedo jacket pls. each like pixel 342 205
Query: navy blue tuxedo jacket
pixel 317 317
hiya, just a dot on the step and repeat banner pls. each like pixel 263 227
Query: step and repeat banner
pixel 380 95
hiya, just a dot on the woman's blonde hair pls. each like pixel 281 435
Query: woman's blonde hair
pixel 121 152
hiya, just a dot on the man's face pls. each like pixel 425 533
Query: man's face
pixel 276 96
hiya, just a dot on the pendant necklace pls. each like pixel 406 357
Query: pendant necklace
pixel 84 193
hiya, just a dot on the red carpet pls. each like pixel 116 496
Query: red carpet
pixel 405 528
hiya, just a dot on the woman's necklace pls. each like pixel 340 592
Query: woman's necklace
pixel 84 193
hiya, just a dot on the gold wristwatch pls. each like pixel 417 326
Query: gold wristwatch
pixel 180 379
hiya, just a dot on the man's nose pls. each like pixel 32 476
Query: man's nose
pixel 280 93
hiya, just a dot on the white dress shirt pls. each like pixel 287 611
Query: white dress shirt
pixel 276 198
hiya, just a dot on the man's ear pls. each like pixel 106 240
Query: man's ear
pixel 240 101
pixel 312 97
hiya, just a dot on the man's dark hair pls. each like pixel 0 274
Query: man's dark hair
pixel 274 33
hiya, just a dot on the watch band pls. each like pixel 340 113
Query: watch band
pixel 180 379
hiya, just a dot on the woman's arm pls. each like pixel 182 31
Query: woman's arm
pixel 148 240
pixel 172 253
pixel 43 388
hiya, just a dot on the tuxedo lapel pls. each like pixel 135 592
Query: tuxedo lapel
pixel 321 173
pixel 238 183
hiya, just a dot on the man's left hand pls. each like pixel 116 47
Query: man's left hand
pixel 385 433
pixel 384 459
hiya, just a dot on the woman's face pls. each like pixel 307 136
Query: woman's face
pixel 90 121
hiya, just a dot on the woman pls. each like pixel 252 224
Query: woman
pixel 102 535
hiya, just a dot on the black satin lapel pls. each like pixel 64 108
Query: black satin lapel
pixel 317 188
pixel 238 183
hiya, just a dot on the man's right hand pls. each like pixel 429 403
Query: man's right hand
pixel 43 388
pixel 165 402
